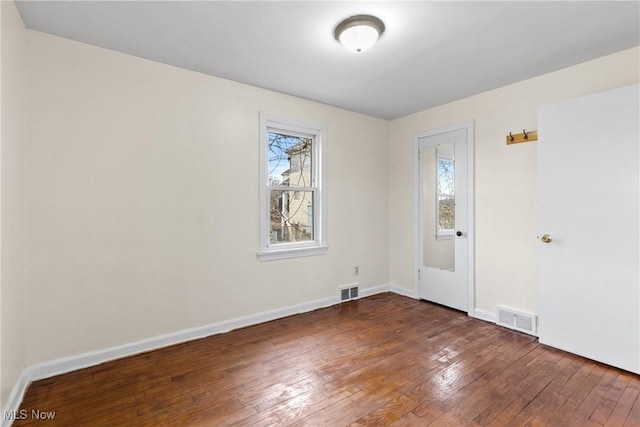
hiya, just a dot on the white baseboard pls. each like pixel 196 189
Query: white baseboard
pixel 485 315
pixel 375 290
pixel 15 398
pixel 403 291
pixel 72 363
pixel 85 360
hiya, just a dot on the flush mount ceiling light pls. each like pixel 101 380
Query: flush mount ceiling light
pixel 358 33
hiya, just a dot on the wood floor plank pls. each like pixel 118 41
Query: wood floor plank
pixel 622 413
pixel 387 414
pixel 384 360
pixel 606 405
pixel 633 419
pixel 576 390
pixel 408 420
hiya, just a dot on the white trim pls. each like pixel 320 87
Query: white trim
pixel 374 290
pixel 292 253
pixel 471 218
pixel 400 290
pixel 318 246
pixel 485 315
pixel 469 126
pixel 417 262
pixel 15 397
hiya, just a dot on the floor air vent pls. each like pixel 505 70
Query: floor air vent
pixel 518 320
pixel 349 292
pixel 353 292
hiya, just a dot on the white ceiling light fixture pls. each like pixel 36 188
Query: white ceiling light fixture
pixel 358 33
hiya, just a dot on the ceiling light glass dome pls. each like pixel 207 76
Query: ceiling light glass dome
pixel 358 33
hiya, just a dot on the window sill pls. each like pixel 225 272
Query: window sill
pixel 271 255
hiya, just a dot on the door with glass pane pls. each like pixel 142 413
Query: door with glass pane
pixel 443 219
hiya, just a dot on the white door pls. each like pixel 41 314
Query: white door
pixel 443 216
pixel 589 294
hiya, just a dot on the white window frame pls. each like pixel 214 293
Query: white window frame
pixel 318 246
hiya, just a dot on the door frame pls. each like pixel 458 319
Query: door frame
pixel 471 284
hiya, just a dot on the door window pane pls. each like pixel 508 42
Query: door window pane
pixel 438 200
pixel 446 189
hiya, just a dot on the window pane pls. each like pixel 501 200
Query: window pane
pixel 445 176
pixel 438 252
pixel 291 216
pixel 289 160
pixel 446 188
pixel 446 212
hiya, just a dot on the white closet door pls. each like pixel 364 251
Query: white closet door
pixel 589 158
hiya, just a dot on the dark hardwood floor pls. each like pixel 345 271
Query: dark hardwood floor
pixel 381 360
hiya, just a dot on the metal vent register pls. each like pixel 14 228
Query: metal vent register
pixel 349 292
pixel 518 320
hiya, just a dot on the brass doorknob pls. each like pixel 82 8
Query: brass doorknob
pixel 546 238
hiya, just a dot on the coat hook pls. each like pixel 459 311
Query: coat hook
pixel 511 136
pixel 525 134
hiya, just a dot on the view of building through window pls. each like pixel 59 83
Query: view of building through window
pixel 291 192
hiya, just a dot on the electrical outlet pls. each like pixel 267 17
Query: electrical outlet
pixel 356 270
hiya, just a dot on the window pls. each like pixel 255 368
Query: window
pixel 292 198
pixel 446 209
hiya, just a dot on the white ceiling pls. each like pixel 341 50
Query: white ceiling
pixel 431 53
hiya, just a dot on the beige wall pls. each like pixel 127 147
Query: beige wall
pixel 142 200
pixel 505 176
pixel 12 144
